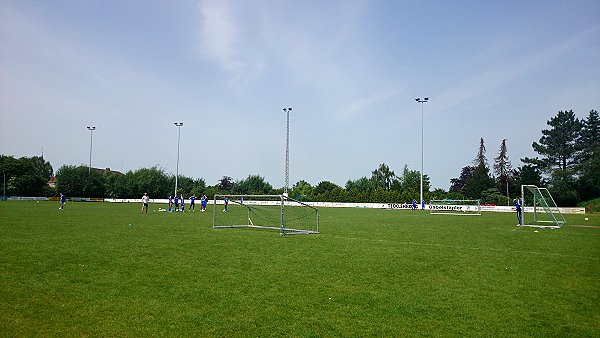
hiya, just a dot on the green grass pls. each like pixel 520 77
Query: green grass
pixel 100 269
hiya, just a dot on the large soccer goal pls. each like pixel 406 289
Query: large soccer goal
pixel 277 212
pixel 539 208
pixel 455 207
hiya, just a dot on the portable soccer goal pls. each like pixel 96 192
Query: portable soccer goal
pixel 276 212
pixel 455 207
pixel 539 208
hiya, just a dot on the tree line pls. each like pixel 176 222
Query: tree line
pixel 568 164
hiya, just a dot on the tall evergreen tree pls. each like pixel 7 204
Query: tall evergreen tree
pixel 480 159
pixel 590 136
pixel 502 168
pixel 480 180
pixel 558 146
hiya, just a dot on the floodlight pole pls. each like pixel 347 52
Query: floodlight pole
pixel 287 152
pixel 91 129
pixel 178 125
pixel 421 101
pixel 506 176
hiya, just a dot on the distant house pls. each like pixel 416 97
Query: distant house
pixel 52 182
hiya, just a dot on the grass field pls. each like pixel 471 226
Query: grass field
pixel 100 269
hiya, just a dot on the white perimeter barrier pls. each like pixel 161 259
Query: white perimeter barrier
pixel 391 206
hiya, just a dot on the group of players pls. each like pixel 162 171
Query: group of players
pixel 177 204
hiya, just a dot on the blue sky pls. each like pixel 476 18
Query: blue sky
pixel 351 71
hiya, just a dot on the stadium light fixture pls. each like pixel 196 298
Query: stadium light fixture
pixel 91 129
pixel 178 125
pixel 287 152
pixel 421 101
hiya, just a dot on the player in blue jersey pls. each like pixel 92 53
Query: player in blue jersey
pixel 63 200
pixel 519 210
pixel 182 201
pixel 225 203
pixel 176 202
pixel 414 205
pixel 170 203
pixel 192 202
pixel 203 202
pixel 423 205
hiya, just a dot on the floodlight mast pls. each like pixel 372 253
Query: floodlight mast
pixel 178 125
pixel 421 101
pixel 287 152
pixel 91 129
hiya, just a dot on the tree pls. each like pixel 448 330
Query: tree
pixel 410 183
pixel 480 159
pixel 325 186
pixel 301 190
pixel 253 185
pixel 502 168
pixel 480 179
pixel 382 177
pixel 563 188
pixel 456 184
pixel 225 183
pixel 559 145
pixel 590 136
pixel 79 181
pixel 26 176
pixel 589 180
pixel 361 185
pixel 529 175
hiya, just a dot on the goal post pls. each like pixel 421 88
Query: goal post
pixel 275 212
pixel 455 207
pixel 540 209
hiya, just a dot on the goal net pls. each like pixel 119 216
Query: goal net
pixel 539 208
pixel 455 207
pixel 276 212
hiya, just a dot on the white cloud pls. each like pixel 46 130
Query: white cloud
pixel 219 33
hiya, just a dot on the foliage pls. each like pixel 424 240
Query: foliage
pixel 592 206
pixel 382 177
pixel 25 176
pixel 558 145
pixel 301 190
pixel 80 181
pixel 225 183
pixel 503 169
pixel 457 184
pixel 252 185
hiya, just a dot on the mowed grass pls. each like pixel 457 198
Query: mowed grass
pixel 101 269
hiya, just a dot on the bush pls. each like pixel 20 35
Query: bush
pixel 592 206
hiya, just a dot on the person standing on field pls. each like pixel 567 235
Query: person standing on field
pixel 192 203
pixel 63 200
pixel 176 201
pixel 145 200
pixel 203 202
pixel 182 201
pixel 519 210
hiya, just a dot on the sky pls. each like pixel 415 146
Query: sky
pixel 350 71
